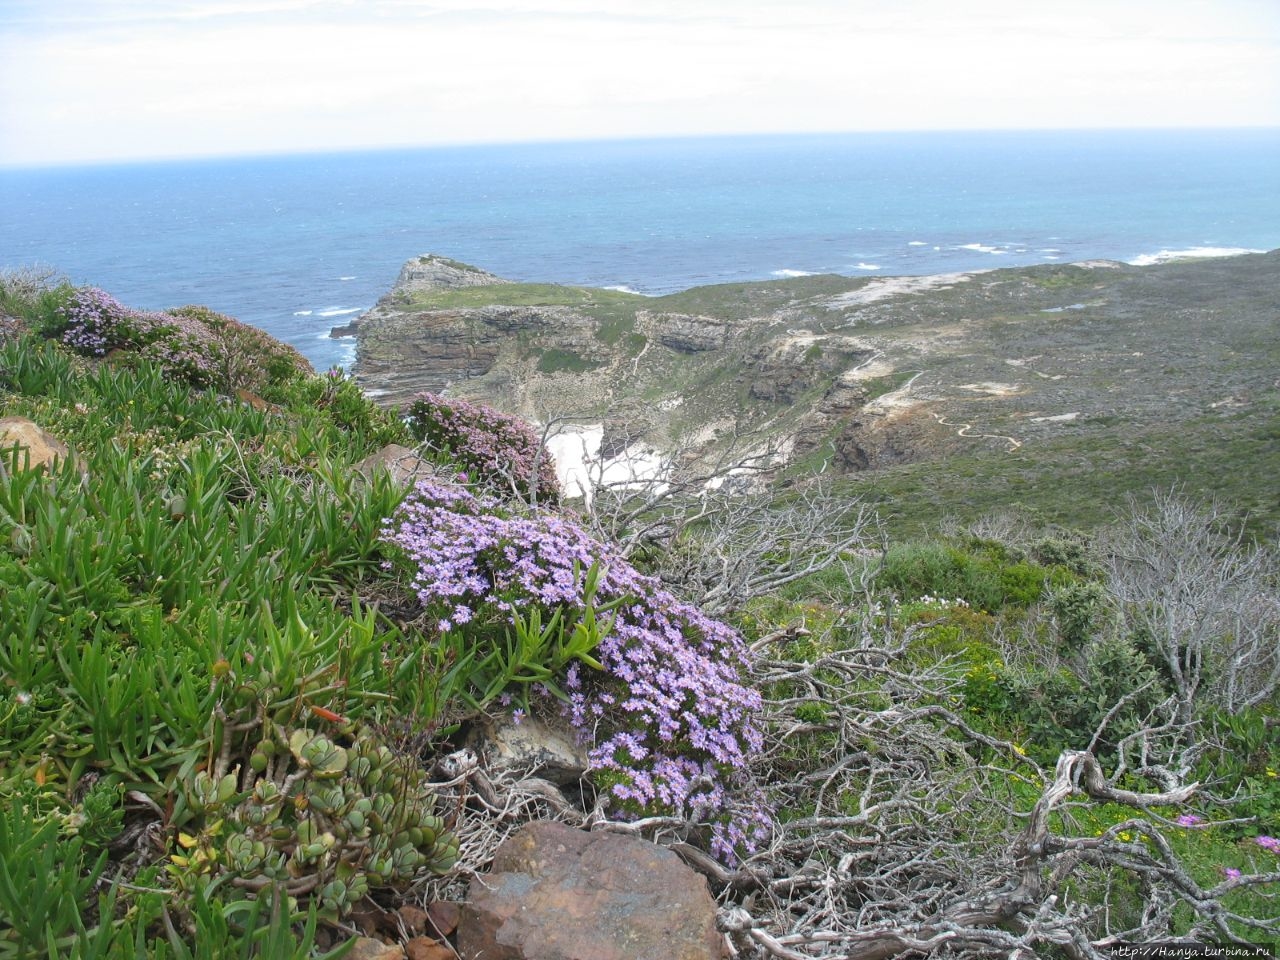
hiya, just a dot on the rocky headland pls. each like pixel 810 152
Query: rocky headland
pixel 840 373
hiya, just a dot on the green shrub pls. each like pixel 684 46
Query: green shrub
pixel 34 296
pixel 916 570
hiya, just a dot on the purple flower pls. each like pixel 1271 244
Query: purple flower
pixel 670 718
pixel 499 451
pixel 1190 820
pixel 1231 873
pixel 1268 843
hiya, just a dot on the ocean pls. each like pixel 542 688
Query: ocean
pixel 298 244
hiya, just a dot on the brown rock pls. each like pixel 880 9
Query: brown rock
pixel 35 448
pixel 443 916
pixel 413 919
pixel 557 893
pixel 424 948
pixel 366 948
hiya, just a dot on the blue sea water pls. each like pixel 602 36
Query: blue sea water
pixel 298 244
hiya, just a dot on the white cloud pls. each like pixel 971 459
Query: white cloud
pixel 85 80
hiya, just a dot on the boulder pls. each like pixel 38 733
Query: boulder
pixel 35 447
pixel 558 893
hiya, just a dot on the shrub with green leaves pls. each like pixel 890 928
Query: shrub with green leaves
pixel 243 357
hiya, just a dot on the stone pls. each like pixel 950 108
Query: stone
pixel 413 918
pixel 367 948
pixel 424 948
pixel 532 747
pixel 404 465
pixel 36 448
pixel 443 915
pixel 558 893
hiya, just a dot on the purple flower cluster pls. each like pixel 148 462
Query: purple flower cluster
pixel 672 726
pixel 96 323
pixel 498 450
pixel 240 356
pixel 184 349
pixel 1268 843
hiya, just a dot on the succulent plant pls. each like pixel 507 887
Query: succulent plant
pixel 331 821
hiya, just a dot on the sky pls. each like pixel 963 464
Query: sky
pixel 97 80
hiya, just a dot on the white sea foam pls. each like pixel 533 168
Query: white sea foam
pixel 793 273
pixel 981 248
pixel 916 243
pixel 346 278
pixel 340 311
pixel 869 266
pixel 303 313
pixel 1196 253
pixel 623 288
pixel 1051 256
pixel 1050 250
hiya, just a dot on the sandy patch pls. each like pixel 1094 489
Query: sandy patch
pixel 1058 418
pixel 992 389
pixel 882 288
pixel 576 451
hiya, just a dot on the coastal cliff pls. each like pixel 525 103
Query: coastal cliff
pixel 840 373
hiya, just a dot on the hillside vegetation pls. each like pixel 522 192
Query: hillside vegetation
pixel 238 666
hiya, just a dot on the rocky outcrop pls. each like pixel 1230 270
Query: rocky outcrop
pixel 432 272
pixel 785 368
pixel 558 893
pixel 683 332
pixel 403 352
pixel 428 273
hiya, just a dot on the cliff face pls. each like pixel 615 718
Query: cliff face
pixel 851 374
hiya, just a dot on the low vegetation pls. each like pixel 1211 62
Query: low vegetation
pixel 236 673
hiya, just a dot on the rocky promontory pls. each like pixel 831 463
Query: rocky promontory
pixel 841 373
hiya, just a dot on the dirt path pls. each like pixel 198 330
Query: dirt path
pixel 1013 443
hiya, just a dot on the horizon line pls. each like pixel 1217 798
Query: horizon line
pixel 321 151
